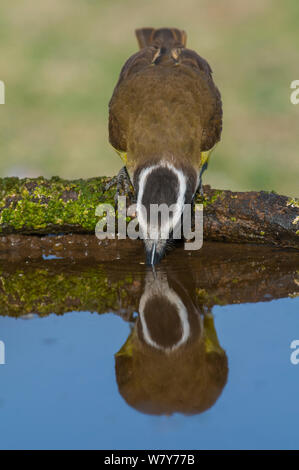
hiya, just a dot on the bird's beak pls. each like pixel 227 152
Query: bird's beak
pixel 155 250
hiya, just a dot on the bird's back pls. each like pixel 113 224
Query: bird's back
pixel 165 104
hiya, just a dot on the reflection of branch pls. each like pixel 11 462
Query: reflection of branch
pixel 234 273
pixel 97 276
pixel 59 206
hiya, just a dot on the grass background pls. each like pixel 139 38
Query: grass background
pixel 60 61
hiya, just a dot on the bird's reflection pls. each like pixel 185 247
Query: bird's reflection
pixel 172 360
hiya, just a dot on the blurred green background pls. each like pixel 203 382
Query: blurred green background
pixel 60 61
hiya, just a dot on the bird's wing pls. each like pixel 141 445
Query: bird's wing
pixel 117 129
pixel 209 113
pixel 211 121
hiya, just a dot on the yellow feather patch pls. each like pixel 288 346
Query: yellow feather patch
pixel 123 155
pixel 204 156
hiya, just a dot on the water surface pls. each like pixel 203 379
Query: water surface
pixel 102 352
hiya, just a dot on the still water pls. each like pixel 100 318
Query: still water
pixel 104 353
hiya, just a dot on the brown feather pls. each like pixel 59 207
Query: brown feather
pixel 165 104
pixel 168 37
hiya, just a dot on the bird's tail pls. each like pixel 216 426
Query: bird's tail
pixel 164 37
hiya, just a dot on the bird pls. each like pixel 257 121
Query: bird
pixel 165 118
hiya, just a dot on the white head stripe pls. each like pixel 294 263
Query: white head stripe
pixel 180 199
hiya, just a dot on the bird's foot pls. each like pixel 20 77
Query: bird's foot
pixel 111 183
pixel 199 193
pixel 123 185
pixel 200 190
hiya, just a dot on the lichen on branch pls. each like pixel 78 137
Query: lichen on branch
pixel 49 206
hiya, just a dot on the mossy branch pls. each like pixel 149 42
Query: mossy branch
pixel 41 206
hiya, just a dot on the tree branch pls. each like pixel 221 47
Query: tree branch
pixel 41 206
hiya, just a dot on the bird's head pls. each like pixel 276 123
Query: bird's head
pixel 163 190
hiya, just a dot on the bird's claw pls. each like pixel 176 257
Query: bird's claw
pixel 109 184
pixel 123 185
